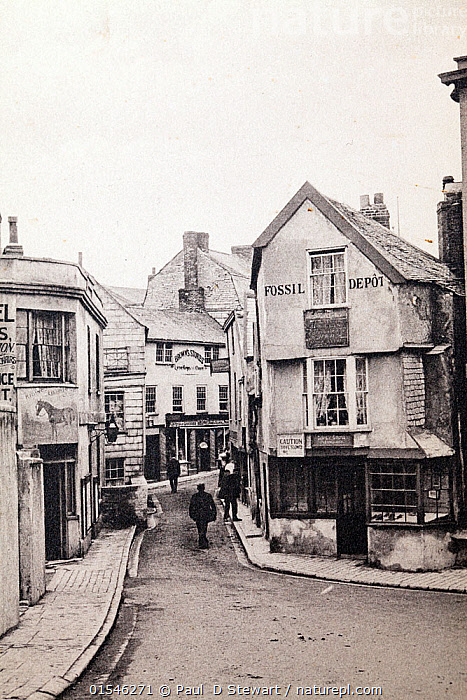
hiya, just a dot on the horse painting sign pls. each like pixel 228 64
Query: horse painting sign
pixel 48 416
pixel 7 350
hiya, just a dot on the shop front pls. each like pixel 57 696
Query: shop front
pixel 197 442
pixel 396 513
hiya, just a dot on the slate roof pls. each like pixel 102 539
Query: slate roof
pixel 412 262
pixel 193 327
pixel 128 295
pixel 224 277
pixel 398 259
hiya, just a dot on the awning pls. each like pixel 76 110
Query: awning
pixel 431 445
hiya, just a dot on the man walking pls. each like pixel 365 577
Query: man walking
pixel 173 472
pixel 203 511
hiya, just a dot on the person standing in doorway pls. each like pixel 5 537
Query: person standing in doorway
pixel 203 511
pixel 224 459
pixel 203 456
pixel 230 491
pixel 173 472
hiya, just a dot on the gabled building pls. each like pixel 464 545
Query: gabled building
pixel 361 360
pixel 223 277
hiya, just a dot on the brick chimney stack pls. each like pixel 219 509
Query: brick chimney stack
pixel 13 248
pixel 377 211
pixel 191 297
pixel 458 78
pixel 450 230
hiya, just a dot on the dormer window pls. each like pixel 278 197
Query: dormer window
pixel 328 283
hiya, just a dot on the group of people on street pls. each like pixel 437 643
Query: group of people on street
pixel 202 507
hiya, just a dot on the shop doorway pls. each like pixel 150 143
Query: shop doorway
pixel 351 511
pixel 152 460
pixel 54 511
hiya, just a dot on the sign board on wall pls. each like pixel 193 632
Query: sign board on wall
pixel 48 416
pixel 291 445
pixel 326 328
pixel 333 440
pixel 7 350
pixel 189 361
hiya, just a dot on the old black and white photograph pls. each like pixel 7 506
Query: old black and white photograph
pixel 233 349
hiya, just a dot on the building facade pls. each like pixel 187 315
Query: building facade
pixel 240 334
pixel 186 403
pixel 361 356
pixel 59 323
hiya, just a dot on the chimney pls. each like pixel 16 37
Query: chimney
pixel 450 230
pixel 13 248
pixel 80 259
pixel 377 211
pixel 191 297
pixel 458 78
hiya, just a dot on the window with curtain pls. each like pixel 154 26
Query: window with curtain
pixel 44 345
pixel 328 284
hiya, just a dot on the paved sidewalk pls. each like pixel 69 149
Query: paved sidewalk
pixel 342 570
pixel 57 638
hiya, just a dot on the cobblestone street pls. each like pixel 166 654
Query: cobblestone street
pixel 207 618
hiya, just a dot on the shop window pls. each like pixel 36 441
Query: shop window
pixel 89 360
pixel 44 346
pixel 211 352
pixel 303 489
pixel 340 393
pixel 98 364
pixel 116 360
pixel 409 492
pixel 328 286
pixel 115 470
pixel 361 390
pixel 177 399
pixel 201 399
pixel 330 393
pixel 223 399
pixel 115 406
pixel 164 353
pixel 151 396
pixel 306 416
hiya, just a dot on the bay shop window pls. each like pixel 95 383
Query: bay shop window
pixel 44 346
pixel 417 492
pixel 335 393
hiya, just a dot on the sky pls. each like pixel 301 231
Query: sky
pixel 125 123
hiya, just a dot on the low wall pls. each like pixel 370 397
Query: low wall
pixel 31 525
pixel 123 506
pixel 9 556
pixel 406 548
pixel 313 536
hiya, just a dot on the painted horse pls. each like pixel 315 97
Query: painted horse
pixel 55 415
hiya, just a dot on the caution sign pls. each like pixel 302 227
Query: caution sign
pixel 291 445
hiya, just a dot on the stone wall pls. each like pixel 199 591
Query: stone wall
pixel 304 536
pixel 31 526
pixel 410 548
pixel 9 556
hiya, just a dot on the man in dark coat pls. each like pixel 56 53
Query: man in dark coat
pixel 173 472
pixel 230 491
pixel 203 511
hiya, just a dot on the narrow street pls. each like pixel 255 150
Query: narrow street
pixel 205 618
